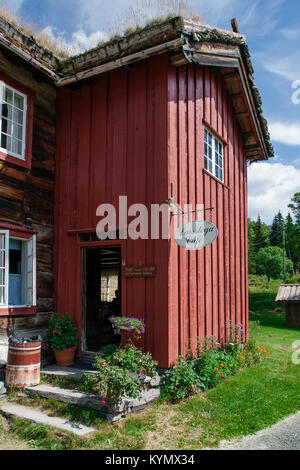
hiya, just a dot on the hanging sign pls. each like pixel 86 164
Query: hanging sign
pixel 196 235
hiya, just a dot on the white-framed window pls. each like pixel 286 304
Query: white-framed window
pixel 13 111
pixel 17 271
pixel 213 155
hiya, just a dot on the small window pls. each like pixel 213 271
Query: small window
pixel 13 112
pixel 213 155
pixel 17 271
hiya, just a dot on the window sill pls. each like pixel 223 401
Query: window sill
pixel 206 172
pixel 17 311
pixel 16 161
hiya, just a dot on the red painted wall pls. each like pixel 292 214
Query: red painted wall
pixel 133 133
pixel 209 287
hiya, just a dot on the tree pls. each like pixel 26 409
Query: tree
pixel 262 235
pixel 276 234
pixel 269 261
pixel 293 241
pixel 251 248
pixel 295 206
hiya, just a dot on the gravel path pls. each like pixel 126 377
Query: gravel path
pixel 282 436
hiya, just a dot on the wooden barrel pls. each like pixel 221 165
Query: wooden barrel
pixel 23 364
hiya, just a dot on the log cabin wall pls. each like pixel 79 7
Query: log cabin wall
pixel 30 193
pixel 208 288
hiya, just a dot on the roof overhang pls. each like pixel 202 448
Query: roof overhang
pixel 186 42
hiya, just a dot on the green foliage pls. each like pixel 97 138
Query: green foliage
pixel 180 382
pixel 214 366
pixel 269 261
pixel 294 280
pixel 295 207
pixel 61 334
pixel 133 359
pixel 111 383
pixel 262 234
pixel 276 235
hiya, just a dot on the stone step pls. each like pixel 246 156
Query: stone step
pixel 66 372
pixel 88 400
pixel 9 409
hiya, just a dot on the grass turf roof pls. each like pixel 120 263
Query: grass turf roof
pixel 138 40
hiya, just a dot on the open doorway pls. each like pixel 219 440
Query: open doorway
pixel 102 296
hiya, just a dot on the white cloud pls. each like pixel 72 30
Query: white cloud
pixel 285 133
pixel 291 34
pixel 286 66
pixel 270 189
pixel 80 41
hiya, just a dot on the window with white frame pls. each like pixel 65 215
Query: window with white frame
pixel 13 112
pixel 213 155
pixel 17 271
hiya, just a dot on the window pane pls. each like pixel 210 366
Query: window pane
pixel 18 116
pixel 6 142
pixel 18 131
pixel 8 96
pixel 19 101
pixel 6 126
pixel 7 111
pixel 17 146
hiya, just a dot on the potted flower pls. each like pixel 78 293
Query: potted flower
pixel 134 327
pixel 62 337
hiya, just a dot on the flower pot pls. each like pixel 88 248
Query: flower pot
pixel 65 357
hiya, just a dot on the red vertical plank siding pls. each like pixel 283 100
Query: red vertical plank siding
pixel 134 133
pixel 216 274
pixel 199 114
pixel 173 278
pixel 192 287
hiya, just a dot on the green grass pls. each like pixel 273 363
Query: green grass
pixel 256 398
pixel 262 295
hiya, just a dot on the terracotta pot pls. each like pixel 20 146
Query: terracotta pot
pixel 65 357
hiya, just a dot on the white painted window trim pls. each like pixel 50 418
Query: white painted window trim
pixel 24 266
pixel 6 266
pixel 214 139
pixel 22 157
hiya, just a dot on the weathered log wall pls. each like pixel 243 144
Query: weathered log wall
pixel 30 194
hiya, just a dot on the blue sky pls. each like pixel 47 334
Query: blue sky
pixel 272 28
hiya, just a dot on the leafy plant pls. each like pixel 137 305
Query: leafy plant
pixel 294 280
pixel 180 382
pixel 61 333
pixel 111 383
pixel 214 366
pixel 133 359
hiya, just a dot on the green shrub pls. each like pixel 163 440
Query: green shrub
pixel 133 359
pixel 215 366
pixel 294 280
pixel 180 382
pixel 111 382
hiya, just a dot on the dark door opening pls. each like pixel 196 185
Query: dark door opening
pixel 102 296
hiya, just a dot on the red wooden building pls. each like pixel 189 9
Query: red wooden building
pixel 171 110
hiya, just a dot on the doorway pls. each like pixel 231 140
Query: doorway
pixel 102 296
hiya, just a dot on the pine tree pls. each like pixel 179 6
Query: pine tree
pixel 295 206
pixel 293 241
pixel 251 247
pixel 262 235
pixel 276 234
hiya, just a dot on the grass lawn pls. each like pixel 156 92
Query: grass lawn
pixel 255 399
